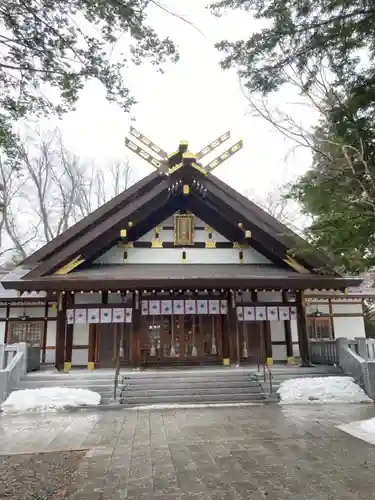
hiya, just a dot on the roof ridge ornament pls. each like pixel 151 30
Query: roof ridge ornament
pixel 169 163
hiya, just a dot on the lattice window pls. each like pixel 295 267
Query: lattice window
pixel 319 328
pixel 24 331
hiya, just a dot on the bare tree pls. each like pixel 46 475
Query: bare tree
pixel 53 190
pixel 282 209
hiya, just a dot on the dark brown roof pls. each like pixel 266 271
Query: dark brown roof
pixel 115 277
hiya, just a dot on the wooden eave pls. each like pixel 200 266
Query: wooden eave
pixel 186 276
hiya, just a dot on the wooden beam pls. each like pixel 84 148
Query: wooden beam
pixel 288 333
pixel 68 337
pixel 303 340
pixel 60 331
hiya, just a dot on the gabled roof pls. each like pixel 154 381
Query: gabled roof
pixel 148 202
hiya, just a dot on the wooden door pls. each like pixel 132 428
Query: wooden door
pixel 251 341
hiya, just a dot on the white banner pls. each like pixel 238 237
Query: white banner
pixel 273 313
pixel 214 306
pixel 93 316
pixel 166 307
pixel 144 307
pixel 80 316
pixel 260 313
pixel 154 307
pixel 190 306
pixel 178 306
pixel 223 307
pixel 284 313
pixel 202 306
pixel 70 316
pixel 248 313
pixel 128 315
pixel 119 315
pixel 106 315
pixel 239 310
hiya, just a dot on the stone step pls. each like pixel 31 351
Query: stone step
pixel 187 398
pixel 225 391
pixel 156 384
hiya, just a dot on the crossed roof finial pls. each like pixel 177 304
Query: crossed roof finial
pixel 168 164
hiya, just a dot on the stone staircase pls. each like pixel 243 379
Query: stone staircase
pixel 188 386
pixel 137 388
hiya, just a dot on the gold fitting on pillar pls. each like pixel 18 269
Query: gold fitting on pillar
pixel 226 362
pixel 269 361
pixel 91 365
pixel 291 360
pixel 248 234
pixel 67 366
pixel 186 189
pixel 123 233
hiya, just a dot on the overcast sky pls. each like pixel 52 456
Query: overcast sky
pixel 193 100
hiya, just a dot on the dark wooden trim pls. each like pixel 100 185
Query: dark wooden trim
pixel 280 342
pixel 60 332
pixel 332 326
pixel 6 332
pixel 196 244
pixel 69 332
pixel 266 325
pixel 287 330
pixel 303 339
pixel 92 346
pixel 334 302
pixel 45 327
pixel 79 346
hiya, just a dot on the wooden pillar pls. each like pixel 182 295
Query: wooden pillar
pixel 60 332
pixel 226 328
pixel 68 337
pixel 91 359
pixel 331 322
pixel 45 328
pixel 288 334
pixel 303 339
pixel 7 314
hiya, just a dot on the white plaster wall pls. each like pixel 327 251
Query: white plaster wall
pixel 33 312
pixel 349 327
pixel 312 308
pixel 277 331
pixel 269 296
pixel 51 333
pixel 52 312
pixel 347 308
pixel 87 298
pixel 80 357
pixel 2 332
pixel 51 341
pixel 294 329
pixel 279 353
pixel 3 311
pixel 80 334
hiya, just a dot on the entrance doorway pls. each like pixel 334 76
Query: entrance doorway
pixel 252 341
pixel 181 339
pixel 112 338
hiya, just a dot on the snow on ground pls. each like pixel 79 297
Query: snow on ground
pixel 49 399
pixel 368 425
pixel 321 390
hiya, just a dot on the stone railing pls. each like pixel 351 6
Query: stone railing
pixel 354 356
pixel 13 366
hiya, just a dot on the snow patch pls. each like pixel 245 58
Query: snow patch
pixel 368 425
pixel 321 390
pixel 49 399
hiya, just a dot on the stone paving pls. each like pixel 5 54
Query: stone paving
pixel 270 451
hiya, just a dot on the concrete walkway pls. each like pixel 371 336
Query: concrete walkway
pixel 273 452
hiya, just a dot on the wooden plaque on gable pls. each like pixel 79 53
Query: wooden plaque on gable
pixel 184 229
